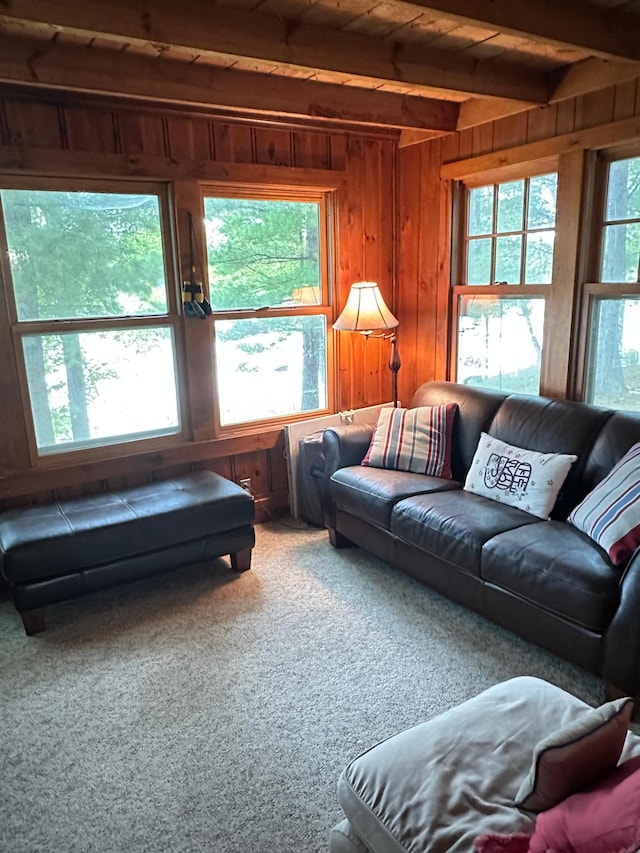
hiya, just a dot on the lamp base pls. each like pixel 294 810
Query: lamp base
pixel 394 367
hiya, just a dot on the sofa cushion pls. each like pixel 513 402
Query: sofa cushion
pixel 417 440
pixel 371 493
pixel 557 568
pixel 610 514
pixel 575 756
pixel 454 526
pixel 518 477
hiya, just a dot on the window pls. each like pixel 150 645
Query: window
pixel 89 305
pixel 505 270
pixel 613 363
pixel 268 283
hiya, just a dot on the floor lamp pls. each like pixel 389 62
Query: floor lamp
pixel 366 312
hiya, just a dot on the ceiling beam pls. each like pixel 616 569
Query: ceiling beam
pixel 217 32
pixel 590 75
pixel 575 80
pixel 93 70
pixel 605 32
pixel 481 110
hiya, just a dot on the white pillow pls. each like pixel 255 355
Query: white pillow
pixel 521 478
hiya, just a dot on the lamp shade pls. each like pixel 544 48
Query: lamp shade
pixel 365 310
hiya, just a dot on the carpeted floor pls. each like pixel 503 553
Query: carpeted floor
pixel 204 711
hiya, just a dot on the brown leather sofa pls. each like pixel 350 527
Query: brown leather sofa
pixel 544 580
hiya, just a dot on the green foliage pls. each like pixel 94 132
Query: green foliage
pixel 261 251
pixel 76 254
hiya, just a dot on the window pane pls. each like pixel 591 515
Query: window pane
pixel 620 254
pixel 479 262
pixel 539 268
pixel 614 357
pixel 262 253
pixel 500 342
pixel 510 206
pixel 623 194
pixel 508 260
pixel 96 388
pixel 270 367
pixel 542 201
pixel 80 254
pixel 481 211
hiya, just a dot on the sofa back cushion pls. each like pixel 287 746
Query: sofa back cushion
pixel 476 410
pixel 620 432
pixel 552 426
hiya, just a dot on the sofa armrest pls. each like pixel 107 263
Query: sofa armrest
pixel 342 445
pixel 621 664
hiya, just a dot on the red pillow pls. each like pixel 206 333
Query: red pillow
pixel 604 819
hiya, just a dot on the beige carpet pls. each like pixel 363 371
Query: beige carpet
pixel 204 711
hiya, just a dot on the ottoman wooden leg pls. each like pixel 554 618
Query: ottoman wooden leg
pixel 33 621
pixel 241 560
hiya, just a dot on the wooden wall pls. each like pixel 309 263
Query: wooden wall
pixel 54 134
pixel 425 209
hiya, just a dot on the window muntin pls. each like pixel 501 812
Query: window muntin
pixel 89 297
pixel 508 238
pixel 268 254
pixel 510 232
pixel 612 376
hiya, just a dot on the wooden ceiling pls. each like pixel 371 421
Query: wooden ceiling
pixel 425 66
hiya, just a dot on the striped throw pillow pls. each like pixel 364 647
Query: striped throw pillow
pixel 610 514
pixel 417 440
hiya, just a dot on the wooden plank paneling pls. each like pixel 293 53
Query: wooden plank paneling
pixel 91 130
pixel 510 131
pixel 541 123
pixel 189 138
pixel 625 100
pixel 274 147
pixel 234 143
pixel 566 120
pixel 311 148
pixel 594 109
pixel 33 125
pixel 482 137
pixel 409 231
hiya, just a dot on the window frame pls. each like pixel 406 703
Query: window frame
pixel 326 199
pixel 593 288
pixel 116 446
pixel 460 239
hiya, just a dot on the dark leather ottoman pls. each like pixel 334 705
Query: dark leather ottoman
pixel 52 552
